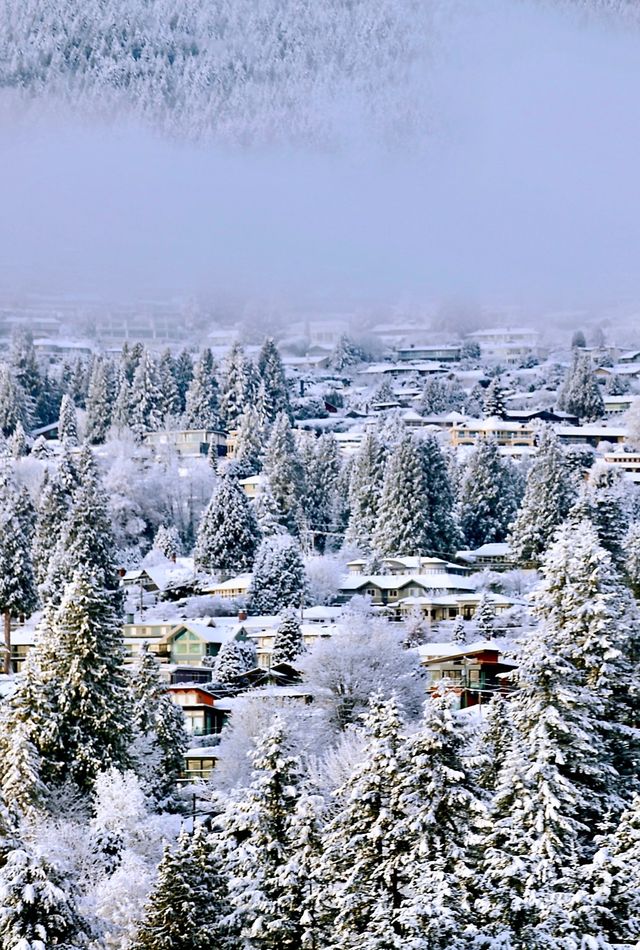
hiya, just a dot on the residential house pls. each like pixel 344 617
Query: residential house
pixel 507 344
pixel 388 589
pixel 591 434
pixel 437 608
pixel 474 671
pixel 199 703
pixel 189 443
pixel 443 353
pixel 230 589
pixel 627 462
pixel 617 405
pixel 199 763
pixel 399 564
pixel 190 642
pixel 512 436
pixel 494 556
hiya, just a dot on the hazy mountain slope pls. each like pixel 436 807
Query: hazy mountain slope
pixel 241 68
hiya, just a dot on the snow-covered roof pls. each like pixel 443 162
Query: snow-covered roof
pixel 492 549
pixel 453 648
pixel 396 581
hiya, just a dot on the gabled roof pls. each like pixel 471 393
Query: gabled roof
pixel 398 581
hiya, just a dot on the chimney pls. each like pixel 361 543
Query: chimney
pixel 242 615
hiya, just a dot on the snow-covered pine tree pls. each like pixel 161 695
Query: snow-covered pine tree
pixel 274 392
pixel 68 422
pixel 283 473
pixel 267 513
pixel 228 533
pixel 278 576
pixel 87 538
pixel 202 406
pixel 365 487
pixel 632 557
pixel 301 876
pixel 18 592
pixel 490 493
pixel 548 496
pixel 25 372
pixel 288 643
pixel 459 630
pixel 39 450
pixel 54 504
pixel 257 844
pixel 98 404
pixel 403 523
pixel 496 741
pixel 35 911
pixel 187 908
pixel 18 442
pixel 494 406
pixel 159 735
pixel 249 447
pixel 321 464
pixel 232 660
pixel 440 826
pixel 184 375
pixel 581 395
pixel 79 658
pixel 346 353
pixel 445 534
pixel 613 882
pixel 170 406
pixel 14 407
pixel 239 386
pixel 365 844
pixel 434 399
pixel 167 541
pixel 121 416
pixel 603 501
pixel 146 398
pixel 20 781
pixel 485 616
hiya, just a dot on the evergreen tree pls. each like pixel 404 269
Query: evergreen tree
pixel 54 504
pixel 602 501
pixel 494 400
pixel 320 460
pixel 283 473
pixel 98 404
pixel 581 395
pixel 490 493
pixel 440 824
pixel 346 353
pixel 249 447
pixel 496 742
pixel 25 373
pixel 167 541
pixel 278 576
pixel 187 908
pixel 267 513
pixel 434 399
pixel 18 444
pixel 548 496
pixel 39 450
pixel 68 423
pixel 365 844
pixel 485 616
pixel 233 660
pixel 228 533
pixel 160 739
pixel 170 405
pixel 258 844
pixel 35 912
pixel 202 407
pixel 121 417
pixel 239 387
pixel 147 398
pixel 275 395
pixel 403 523
pixel 288 642
pixel 578 340
pixel 632 559
pixel 365 488
pixel 459 630
pixel 78 665
pixel 18 593
pixel 87 538
pixel 614 880
pixel 183 375
pixel 14 407
pixel 445 534
pixel 20 779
